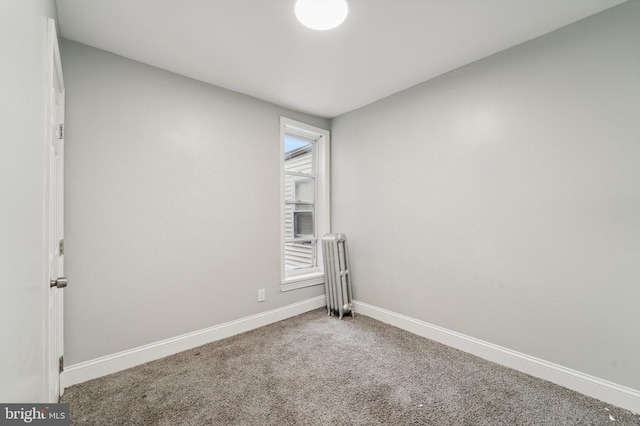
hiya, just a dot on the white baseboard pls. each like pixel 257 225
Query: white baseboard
pixel 109 364
pixel 603 390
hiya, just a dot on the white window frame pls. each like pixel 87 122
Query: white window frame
pixel 291 280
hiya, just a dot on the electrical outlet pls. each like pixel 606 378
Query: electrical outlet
pixel 261 295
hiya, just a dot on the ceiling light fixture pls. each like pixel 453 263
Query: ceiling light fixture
pixel 321 14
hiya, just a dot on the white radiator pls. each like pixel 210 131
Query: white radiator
pixel 337 281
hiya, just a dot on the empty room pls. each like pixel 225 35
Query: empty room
pixel 176 175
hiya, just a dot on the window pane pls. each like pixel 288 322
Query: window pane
pixel 298 222
pixel 302 224
pixel 288 221
pixel 298 156
pixel 299 189
pixel 303 190
pixel 299 255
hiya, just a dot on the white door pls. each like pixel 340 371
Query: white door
pixel 57 282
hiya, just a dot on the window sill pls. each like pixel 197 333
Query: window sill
pixel 301 281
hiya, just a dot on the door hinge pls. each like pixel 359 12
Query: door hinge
pixel 61 248
pixel 61 131
pixel 61 364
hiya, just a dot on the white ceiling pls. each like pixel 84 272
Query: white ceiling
pixel 257 47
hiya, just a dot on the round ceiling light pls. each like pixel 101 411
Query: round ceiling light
pixel 321 14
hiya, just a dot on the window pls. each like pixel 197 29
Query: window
pixel 304 201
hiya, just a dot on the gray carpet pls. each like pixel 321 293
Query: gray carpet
pixel 318 370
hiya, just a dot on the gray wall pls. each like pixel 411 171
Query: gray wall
pixel 172 208
pixel 23 168
pixel 502 200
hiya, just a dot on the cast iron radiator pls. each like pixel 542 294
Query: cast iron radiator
pixel 337 281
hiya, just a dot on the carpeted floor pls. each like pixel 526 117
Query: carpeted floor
pixel 318 370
